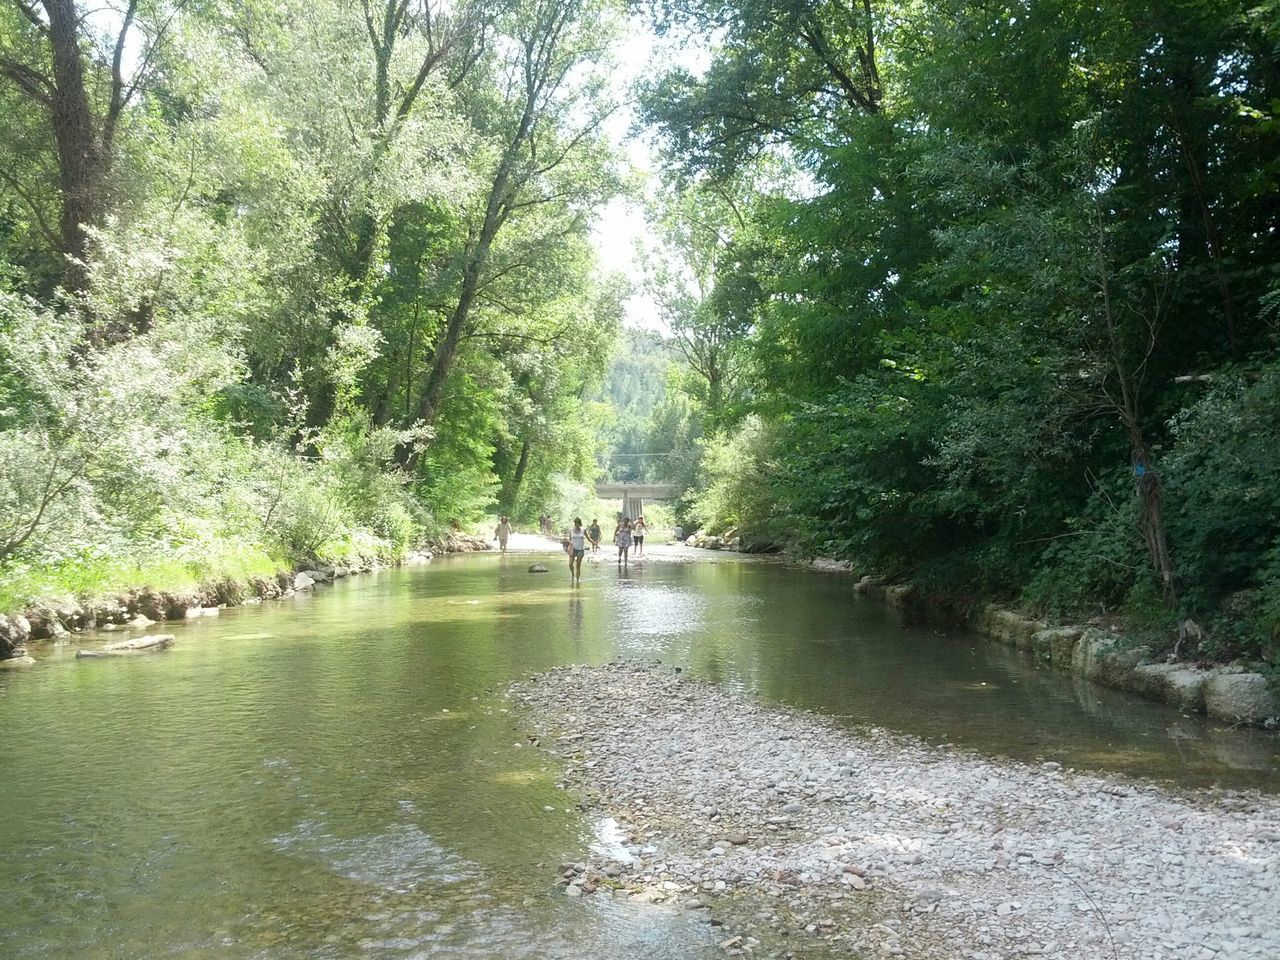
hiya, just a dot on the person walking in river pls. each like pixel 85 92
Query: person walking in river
pixel 622 537
pixel 638 535
pixel 577 547
pixel 502 533
pixel 594 535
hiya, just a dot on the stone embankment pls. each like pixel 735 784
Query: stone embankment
pixel 143 607
pixel 805 838
pixel 1228 692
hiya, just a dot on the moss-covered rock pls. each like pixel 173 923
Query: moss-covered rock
pixel 1009 627
pixel 1057 645
pixel 1179 684
pixel 1107 658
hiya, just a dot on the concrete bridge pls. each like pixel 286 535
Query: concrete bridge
pixel 633 495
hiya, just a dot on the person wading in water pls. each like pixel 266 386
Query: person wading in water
pixel 577 547
pixel 622 537
pixel 640 530
pixel 502 533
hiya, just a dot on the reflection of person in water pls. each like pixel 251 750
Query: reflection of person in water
pixel 575 616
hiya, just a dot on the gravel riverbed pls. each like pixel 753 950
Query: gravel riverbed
pixel 803 836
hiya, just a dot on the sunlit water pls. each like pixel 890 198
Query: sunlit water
pixel 338 775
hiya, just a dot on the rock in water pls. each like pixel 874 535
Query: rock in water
pixel 303 581
pixel 160 641
pixel 537 568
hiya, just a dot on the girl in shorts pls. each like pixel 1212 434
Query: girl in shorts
pixel 577 547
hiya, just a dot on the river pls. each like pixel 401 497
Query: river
pixel 339 774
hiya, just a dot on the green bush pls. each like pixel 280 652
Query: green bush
pixel 738 487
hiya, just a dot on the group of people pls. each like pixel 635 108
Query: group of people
pixel 626 533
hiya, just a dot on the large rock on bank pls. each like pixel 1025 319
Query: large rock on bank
pixel 1009 627
pixel 464 543
pixel 1056 644
pixel 14 633
pixel 1179 684
pixel 1240 697
pixel 1106 658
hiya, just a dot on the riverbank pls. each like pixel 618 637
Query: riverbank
pixel 1232 692
pixel 792 829
pixel 142 605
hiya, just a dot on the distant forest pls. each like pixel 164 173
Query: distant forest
pixel 634 388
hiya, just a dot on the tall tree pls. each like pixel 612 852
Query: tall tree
pixel 706 302
pixel 77 77
pixel 785 73
pixel 544 125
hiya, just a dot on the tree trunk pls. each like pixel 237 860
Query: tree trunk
pixel 517 478
pixel 81 172
pixel 1128 407
pixel 447 349
pixel 1151 517
pixel 495 215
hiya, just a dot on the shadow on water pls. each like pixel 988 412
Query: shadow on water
pixel 339 775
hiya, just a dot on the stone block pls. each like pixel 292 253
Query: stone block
pixel 1240 697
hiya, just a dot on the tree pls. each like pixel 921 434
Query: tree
pixel 983 303
pixel 55 59
pixel 544 125
pixel 708 317
pixel 785 73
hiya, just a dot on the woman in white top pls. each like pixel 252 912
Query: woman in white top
pixel 637 535
pixel 577 547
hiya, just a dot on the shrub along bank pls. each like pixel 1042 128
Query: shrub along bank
pixel 1020 348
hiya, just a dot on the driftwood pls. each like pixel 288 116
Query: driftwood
pixel 123 648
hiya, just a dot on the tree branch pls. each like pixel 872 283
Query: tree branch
pixel 117 58
pixel 42 224
pixel 34 84
pixel 30 13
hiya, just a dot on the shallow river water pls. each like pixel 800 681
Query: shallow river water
pixel 338 775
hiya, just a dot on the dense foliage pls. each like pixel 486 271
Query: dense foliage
pixel 633 388
pixel 1005 280
pixel 985 295
pixel 282 281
